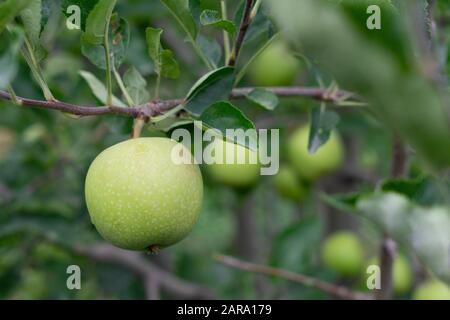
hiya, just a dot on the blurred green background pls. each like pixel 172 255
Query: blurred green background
pixel 44 157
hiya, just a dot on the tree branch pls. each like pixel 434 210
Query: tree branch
pixel 430 22
pixel 387 255
pixel 153 108
pixel 332 289
pixel 245 24
pixel 389 247
pixel 399 159
pixel 153 276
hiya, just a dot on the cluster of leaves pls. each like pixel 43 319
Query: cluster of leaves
pixel 105 42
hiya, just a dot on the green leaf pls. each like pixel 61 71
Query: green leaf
pixel 31 18
pixel 99 90
pixel 214 18
pixel 253 55
pixel 86 6
pixel 136 86
pixel 97 21
pixel 10 9
pixel 344 202
pixel 409 188
pixel 153 37
pixel 181 11
pixel 322 124
pixel 10 44
pixel 94 53
pixel 164 62
pixel 423 191
pixel 211 48
pixel 424 230
pixel 119 39
pixel 195 6
pixel 212 87
pixel 170 67
pixel 169 124
pixel 263 98
pixel 46 10
pixel 223 115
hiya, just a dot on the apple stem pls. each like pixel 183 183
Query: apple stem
pixel 137 127
pixel 153 249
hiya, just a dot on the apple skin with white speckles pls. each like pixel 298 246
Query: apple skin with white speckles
pixel 139 199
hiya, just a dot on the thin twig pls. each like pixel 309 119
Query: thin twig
pixel 307 92
pixel 330 288
pixel 430 22
pixel 154 108
pixel 226 37
pixel 149 272
pixel 191 39
pixel 388 251
pixel 399 159
pixel 172 39
pixel 137 127
pixel 423 33
pixel 388 246
pixel 108 65
pixel 245 24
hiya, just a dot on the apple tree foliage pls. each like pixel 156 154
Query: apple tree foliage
pixel 128 53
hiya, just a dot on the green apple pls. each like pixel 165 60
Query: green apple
pixel 275 66
pixel 343 253
pixel 432 290
pixel 288 185
pixel 326 159
pixel 236 173
pixel 402 274
pixel 7 140
pixel 139 198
